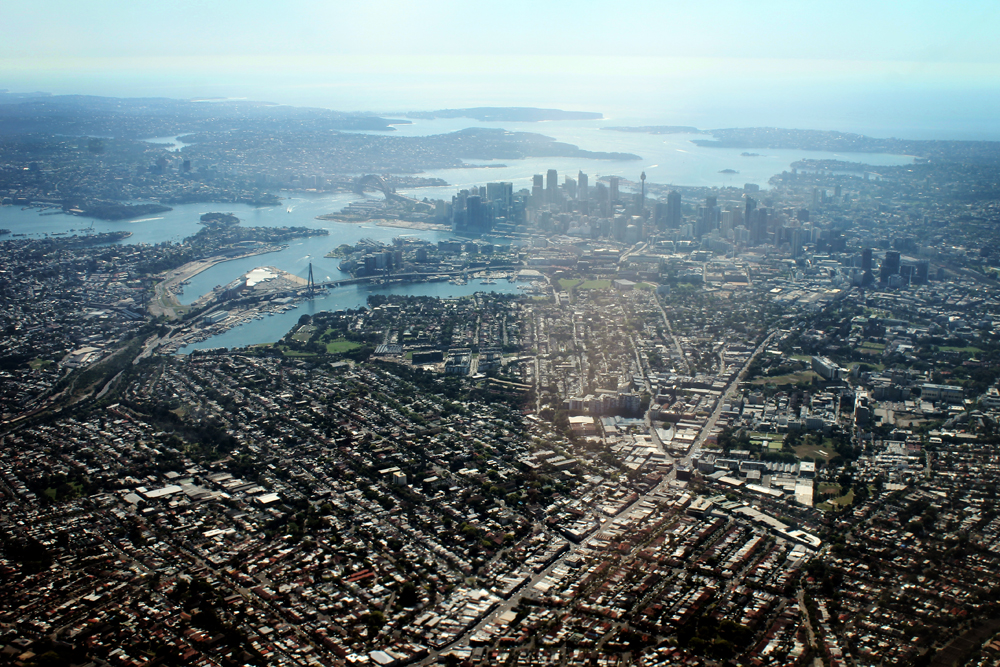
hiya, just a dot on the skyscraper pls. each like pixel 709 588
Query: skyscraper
pixel 477 217
pixel 890 266
pixel 660 215
pixel 552 186
pixel 797 233
pixel 537 191
pixel 569 187
pixel 673 210
pixel 866 260
pixel 613 183
pixel 581 187
pixel 503 195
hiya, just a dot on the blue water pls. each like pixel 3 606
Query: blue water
pixel 274 327
pixel 903 102
pixel 666 159
pixel 182 222
pixel 669 159
pixel 172 144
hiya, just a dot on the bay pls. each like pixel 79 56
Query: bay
pixel 666 159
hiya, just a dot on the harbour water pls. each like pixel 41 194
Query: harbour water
pixel 666 159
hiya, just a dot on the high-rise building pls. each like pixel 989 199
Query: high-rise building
pixel 552 186
pixel 582 183
pixel 921 272
pixel 674 210
pixel 752 221
pixel 890 266
pixel 537 191
pixel 728 223
pixel 569 187
pixel 503 195
pixel 613 185
pixel 866 259
pixel 660 215
pixel 477 217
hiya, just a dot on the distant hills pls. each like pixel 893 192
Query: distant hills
pixel 139 118
pixel 985 152
pixel 507 114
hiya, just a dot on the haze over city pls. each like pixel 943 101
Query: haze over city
pixel 511 334
pixel 918 70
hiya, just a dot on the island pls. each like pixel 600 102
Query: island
pixel 114 211
pixel 223 219
pixel 728 171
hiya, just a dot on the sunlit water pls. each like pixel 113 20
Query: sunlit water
pixel 666 159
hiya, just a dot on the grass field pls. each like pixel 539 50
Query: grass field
pixel 837 503
pixel 792 378
pixel 594 284
pixel 824 450
pixel 39 363
pixel 566 284
pixel 304 333
pixel 342 345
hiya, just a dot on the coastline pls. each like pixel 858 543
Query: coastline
pixel 165 301
pixel 412 224
pixel 389 222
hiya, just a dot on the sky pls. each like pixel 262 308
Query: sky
pixel 928 66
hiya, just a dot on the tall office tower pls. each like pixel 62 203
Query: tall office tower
pixel 921 271
pixel 660 215
pixel 797 233
pixel 816 199
pixel 569 187
pixel 503 195
pixel 601 197
pixel 458 210
pixel 709 214
pixel 613 183
pixel 890 266
pixel 673 210
pixel 642 198
pixel 750 218
pixel 582 182
pixel 476 215
pixel 552 186
pixel 537 191
pixel 727 223
pixel 866 259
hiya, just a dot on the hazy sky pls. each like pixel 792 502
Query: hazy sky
pixel 385 55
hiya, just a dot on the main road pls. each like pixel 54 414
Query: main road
pixel 604 523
